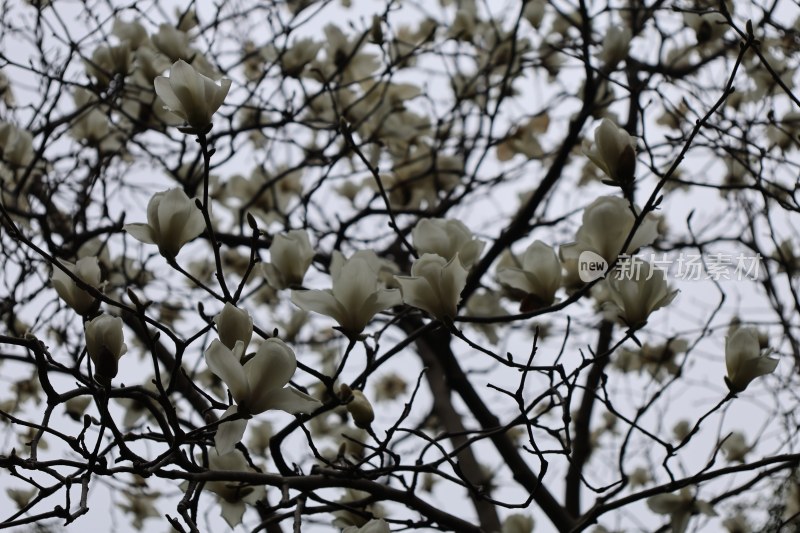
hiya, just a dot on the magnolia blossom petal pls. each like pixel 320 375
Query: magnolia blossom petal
pixel 225 364
pixel 268 371
pixel 744 359
pixel 356 282
pixel 187 85
pixel 680 521
pixel 454 278
pixel 219 94
pixel 291 401
pixel 232 512
pixel 416 292
pixel 319 301
pixel 165 92
pixel 665 503
pixel 383 299
pixel 229 433
pixel 234 324
pixel 140 232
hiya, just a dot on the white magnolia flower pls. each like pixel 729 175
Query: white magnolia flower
pixel 745 360
pixel 290 256
pixel 173 219
pixel 354 299
pixel 108 61
pixel 172 42
pixel 21 497
pixel 105 345
pixel 76 406
pixel 132 32
pixel 708 26
pixel 376 525
pixel 435 285
pixel 16 145
pixel 534 12
pixel 232 495
pixel 354 510
pixel 256 386
pixel 446 238
pixel 295 58
pixel 681 430
pixel 615 45
pixel 607 222
pixel 614 152
pixel 191 95
pixel 737 523
pixel 539 275
pixel 680 507
pixel 234 324
pixel 517 523
pixel 736 447
pixel 637 290
pixel 141 505
pixel 639 477
pixel 87 270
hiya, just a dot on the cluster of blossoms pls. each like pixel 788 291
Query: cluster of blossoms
pixel 412 172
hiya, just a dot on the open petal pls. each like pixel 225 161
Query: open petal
pixel 140 232
pixel 291 401
pixel 269 370
pixel 516 278
pixel 384 299
pixel 322 302
pixel 232 512
pixel 417 292
pixel 165 92
pixel 219 94
pixel 229 433
pixel 759 366
pixel 173 211
pixel 454 277
pixel 194 225
pixel 646 233
pixel 665 503
pixel 680 521
pixel 356 282
pixel 226 366
pixel 187 85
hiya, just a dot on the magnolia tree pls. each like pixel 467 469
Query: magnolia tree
pixel 387 266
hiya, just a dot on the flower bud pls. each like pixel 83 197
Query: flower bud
pixel 435 285
pixel 290 256
pixel 447 238
pixel 745 360
pixel 87 270
pixel 173 219
pixel 637 289
pixel 358 407
pixel 76 406
pixel 190 95
pixel 233 325
pixel 108 61
pixel 615 46
pixel 104 344
pixel 517 523
pixel 614 152
pixel 539 276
